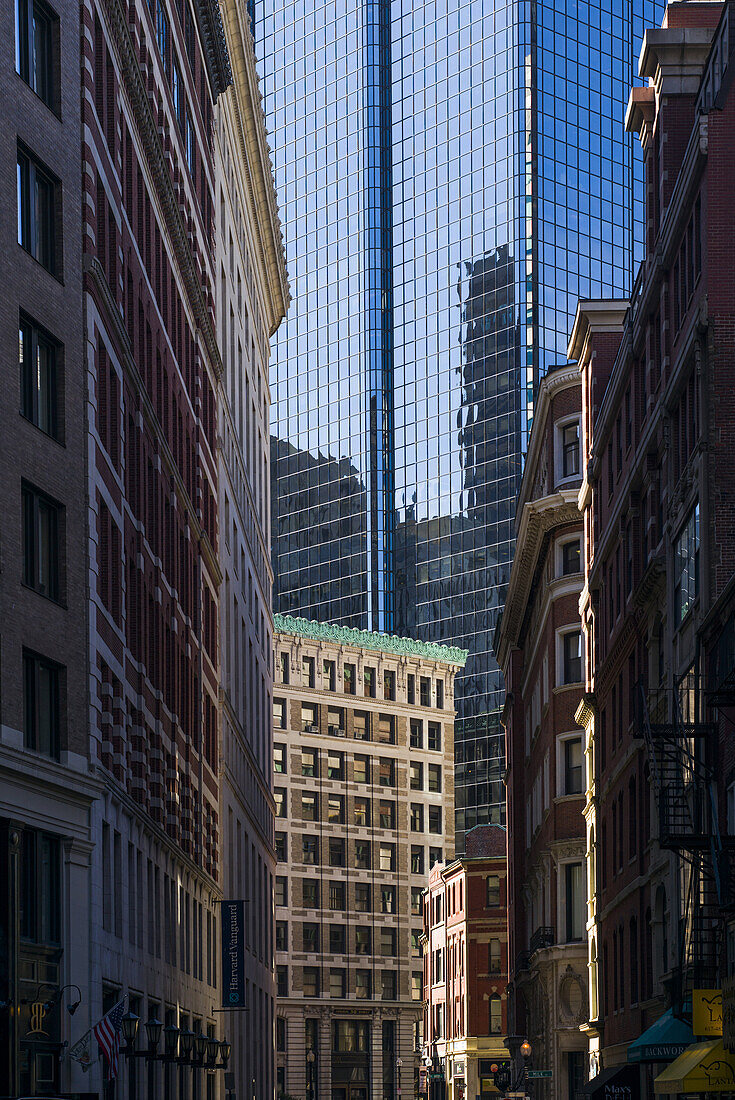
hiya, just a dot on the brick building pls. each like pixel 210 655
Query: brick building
pixel 657 499
pixel 538 647
pixel 465 942
pixel 46 781
pixel 363 744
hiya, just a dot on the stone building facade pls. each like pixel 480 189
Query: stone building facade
pixel 252 296
pixel 465 944
pixel 47 786
pixel 363 742
pixel 539 648
pixel 657 500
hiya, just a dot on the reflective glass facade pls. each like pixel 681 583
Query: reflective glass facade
pixel 453 175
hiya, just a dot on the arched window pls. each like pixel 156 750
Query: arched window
pixel 496 1015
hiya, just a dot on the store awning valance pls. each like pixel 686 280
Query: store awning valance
pixel 663 1041
pixel 614 1083
pixel 704 1067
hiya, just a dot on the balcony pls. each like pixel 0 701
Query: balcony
pixel 542 937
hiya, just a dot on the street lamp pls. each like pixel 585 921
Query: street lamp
pixel 130 1024
pixel 171 1042
pixel 526 1049
pixel 187 1044
pixel 224 1049
pixel 153 1029
pixel 200 1046
pixel 399 1063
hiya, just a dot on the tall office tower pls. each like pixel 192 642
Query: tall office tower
pixel 453 175
pixel 363 759
pixel 251 300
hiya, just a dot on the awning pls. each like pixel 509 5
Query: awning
pixel 704 1067
pixel 663 1041
pixel 614 1083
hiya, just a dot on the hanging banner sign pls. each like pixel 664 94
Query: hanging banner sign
pixel 233 954
pixel 707 1013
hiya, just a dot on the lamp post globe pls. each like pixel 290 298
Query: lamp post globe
pixel 526 1049
pixel 187 1042
pixel 129 1024
pixel 153 1032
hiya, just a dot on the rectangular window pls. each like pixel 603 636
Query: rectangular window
pixel 363 940
pixel 190 143
pixel 435 856
pixel 417 733
pixel 311 937
pixel 573 766
pixel 417 903
pixel 281 935
pixel 335 765
pixel 416 771
pixel 337 896
pixel 417 983
pixel 38 357
pixel 281 1033
pixel 571 558
pixel 363 989
pixel 36 46
pixel 388 941
pixel 309 719
pixel 435 819
pixel 388 899
pixel 416 934
pixel 386 731
pixel 337 939
pixel 434 742
pixel 572 656
pixel 336 809
pixel 387 857
pixel 570 449
pixel 368 680
pixel 387 772
pixel 310 893
pixel 424 691
pixel 281 893
pixel 417 859
pixel 387 814
pixel 360 726
pixel 350 680
pixel 336 721
pixel 40 888
pixel 440 694
pixel 575 901
pixel 492 891
pixel 279 714
pixel 389 684
pixel 435 778
pixel 279 793
pixel 388 985
pixel 282 981
pixel 281 848
pixel 494 956
pixel 309 806
pixel 308 672
pixel 411 690
pixel 37 202
pixel 279 759
pixel 310 762
pixel 284 663
pixel 42 527
pixel 361 769
pixel 686 567
pixel 362 811
pixel 417 817
pixel 337 982
pixel 363 900
pixel 362 855
pixel 336 851
pixel 42 704
pixel 311 981
pixel 310 849
pixel 329 675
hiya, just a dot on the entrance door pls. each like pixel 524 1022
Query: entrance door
pixel 350 1092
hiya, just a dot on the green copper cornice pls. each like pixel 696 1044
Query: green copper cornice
pixel 367 639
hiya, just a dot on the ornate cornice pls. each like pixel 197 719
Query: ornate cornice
pixel 215 47
pixel 368 639
pixel 537 519
pixel 156 162
pixel 255 154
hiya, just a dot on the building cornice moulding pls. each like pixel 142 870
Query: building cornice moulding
pixel 368 639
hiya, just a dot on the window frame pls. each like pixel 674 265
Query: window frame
pixel 31 238
pixel 35 335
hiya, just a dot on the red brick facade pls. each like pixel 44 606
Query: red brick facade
pixel 466 965
pixel 538 645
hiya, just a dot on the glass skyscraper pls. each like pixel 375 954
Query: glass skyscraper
pixel 453 175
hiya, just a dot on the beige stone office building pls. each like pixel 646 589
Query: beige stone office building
pixel 363 745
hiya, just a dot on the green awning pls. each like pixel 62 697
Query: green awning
pixel 663 1041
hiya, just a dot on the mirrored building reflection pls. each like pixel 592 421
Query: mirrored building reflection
pixel 453 175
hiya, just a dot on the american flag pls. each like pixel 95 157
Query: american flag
pixel 107 1034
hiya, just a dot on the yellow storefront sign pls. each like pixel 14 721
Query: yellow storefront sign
pixel 704 1067
pixel 707 1013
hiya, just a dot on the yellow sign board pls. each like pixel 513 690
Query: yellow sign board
pixel 707 1013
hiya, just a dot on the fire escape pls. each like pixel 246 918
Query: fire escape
pixel 681 740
